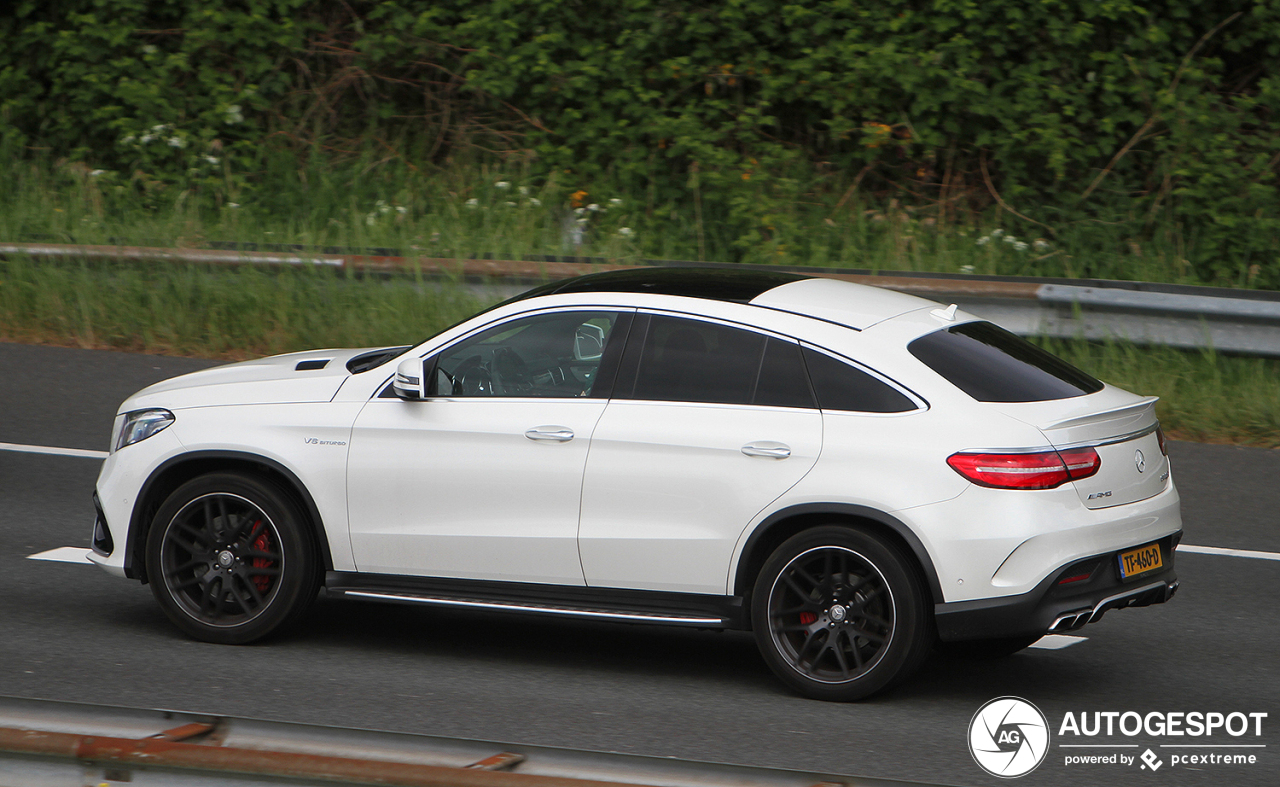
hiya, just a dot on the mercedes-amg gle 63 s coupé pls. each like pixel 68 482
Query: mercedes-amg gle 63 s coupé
pixel 850 473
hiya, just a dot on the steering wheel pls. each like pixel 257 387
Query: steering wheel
pixel 510 372
pixel 472 379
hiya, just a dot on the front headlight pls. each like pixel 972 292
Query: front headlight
pixel 141 424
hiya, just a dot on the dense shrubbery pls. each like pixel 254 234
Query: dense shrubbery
pixel 1157 122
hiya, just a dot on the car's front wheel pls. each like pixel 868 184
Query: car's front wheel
pixel 839 614
pixel 229 559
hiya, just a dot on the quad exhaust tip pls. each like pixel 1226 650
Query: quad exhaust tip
pixel 1155 593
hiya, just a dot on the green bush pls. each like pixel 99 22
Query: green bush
pixel 1150 125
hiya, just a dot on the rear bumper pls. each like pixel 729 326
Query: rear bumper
pixel 1056 608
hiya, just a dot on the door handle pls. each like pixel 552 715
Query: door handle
pixel 550 434
pixel 767 449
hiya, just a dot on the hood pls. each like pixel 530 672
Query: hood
pixel 311 376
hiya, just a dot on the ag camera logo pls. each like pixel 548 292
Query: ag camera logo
pixel 1009 737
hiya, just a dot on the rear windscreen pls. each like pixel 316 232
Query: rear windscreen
pixel 992 365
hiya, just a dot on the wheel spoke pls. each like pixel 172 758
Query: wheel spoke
pixel 253 593
pixel 866 634
pixel 260 553
pixel 226 519
pixel 211 600
pixel 806 577
pixel 839 651
pixel 190 564
pixel 231 587
pixel 253 571
pixel 795 627
pixel 857 653
pixel 808 605
pixel 795 586
pixel 867 616
pixel 191 549
pixel 208 522
pixel 186 584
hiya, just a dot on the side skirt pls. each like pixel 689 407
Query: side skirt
pixel 612 604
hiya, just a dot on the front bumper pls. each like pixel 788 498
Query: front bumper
pixel 1056 608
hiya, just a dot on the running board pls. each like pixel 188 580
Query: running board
pixel 625 606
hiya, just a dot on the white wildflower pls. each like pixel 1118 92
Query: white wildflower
pixel 984 240
pixel 582 220
pixel 1041 244
pixel 371 219
pixel 534 201
pixel 1021 246
pixel 615 202
pixel 509 204
pixel 593 207
pixel 211 159
pixel 149 49
pixel 128 140
pixel 472 203
pixel 233 204
pixel 145 138
pixel 967 269
pixel 382 206
pixel 234 115
pixel 626 232
pixel 997 233
pixel 1010 239
pixel 401 209
pixel 579 211
pixel 177 142
pixel 502 184
pixel 96 173
pixel 1092 75
pixel 156 129
pixel 524 191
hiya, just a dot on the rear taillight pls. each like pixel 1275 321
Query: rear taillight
pixel 1160 438
pixel 1042 470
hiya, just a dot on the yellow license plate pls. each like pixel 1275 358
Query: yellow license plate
pixel 1140 560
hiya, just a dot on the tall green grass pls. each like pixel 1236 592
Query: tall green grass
pixel 219 313
pixel 499 209
pixel 236 313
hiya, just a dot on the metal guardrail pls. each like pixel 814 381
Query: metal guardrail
pixel 1226 320
pixel 44 742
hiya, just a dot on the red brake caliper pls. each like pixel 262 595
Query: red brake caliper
pixel 807 618
pixel 261 544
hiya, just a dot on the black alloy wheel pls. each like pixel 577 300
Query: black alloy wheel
pixel 839 614
pixel 228 559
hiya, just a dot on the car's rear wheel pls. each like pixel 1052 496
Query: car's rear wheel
pixel 230 560
pixel 840 614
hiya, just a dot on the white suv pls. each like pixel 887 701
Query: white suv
pixel 849 472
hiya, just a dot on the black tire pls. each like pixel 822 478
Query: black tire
pixel 230 559
pixel 840 614
pixel 986 649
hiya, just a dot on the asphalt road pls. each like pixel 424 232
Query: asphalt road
pixel 71 632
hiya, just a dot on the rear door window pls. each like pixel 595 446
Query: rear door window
pixel 993 365
pixel 687 360
pixel 842 386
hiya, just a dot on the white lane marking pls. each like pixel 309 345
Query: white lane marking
pixel 1056 642
pixel 1229 552
pixel 63 555
pixel 45 449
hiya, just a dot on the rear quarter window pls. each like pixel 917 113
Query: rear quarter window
pixel 993 365
pixel 841 386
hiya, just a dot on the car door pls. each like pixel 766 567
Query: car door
pixel 709 424
pixel 482 479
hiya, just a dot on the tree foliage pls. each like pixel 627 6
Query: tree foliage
pixel 1154 115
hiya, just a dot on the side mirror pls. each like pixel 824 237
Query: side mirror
pixel 408 382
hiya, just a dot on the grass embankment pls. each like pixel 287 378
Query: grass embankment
pixel 498 209
pixel 246 312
